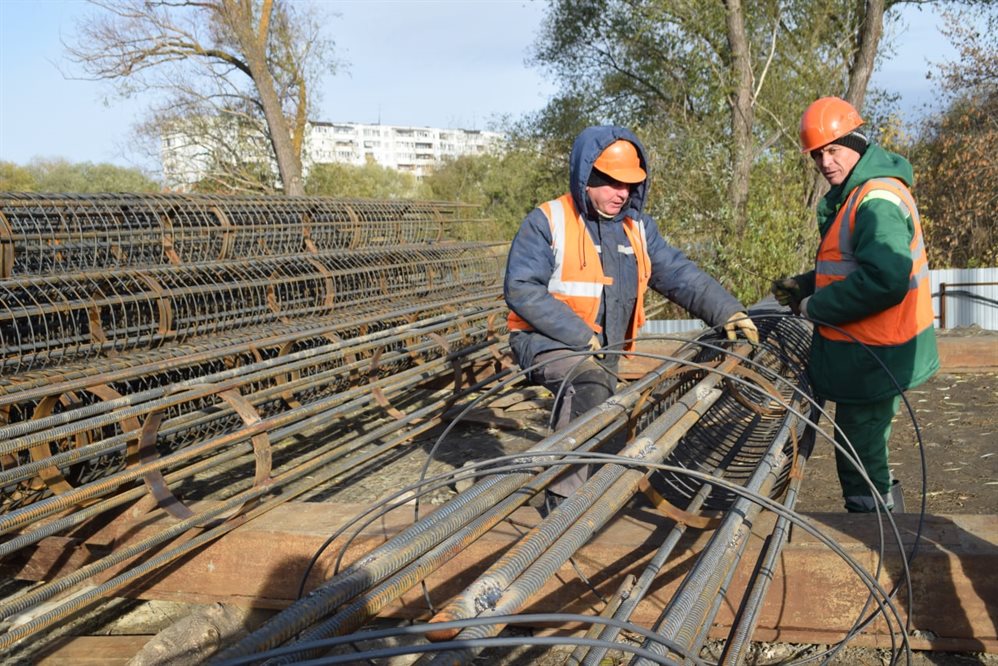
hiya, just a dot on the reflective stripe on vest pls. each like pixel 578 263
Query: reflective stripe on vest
pixel 578 279
pixel 835 261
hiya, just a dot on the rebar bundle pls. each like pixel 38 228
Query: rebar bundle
pixel 753 405
pixel 167 342
pixel 165 349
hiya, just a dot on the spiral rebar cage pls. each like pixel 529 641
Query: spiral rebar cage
pixel 714 415
pixel 114 305
pixel 735 433
pixel 158 350
pixel 55 233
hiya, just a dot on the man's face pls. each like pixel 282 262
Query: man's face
pixel 609 199
pixel 835 162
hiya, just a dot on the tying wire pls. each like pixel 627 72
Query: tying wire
pixel 420 629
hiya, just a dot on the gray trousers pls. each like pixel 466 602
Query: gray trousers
pixel 581 385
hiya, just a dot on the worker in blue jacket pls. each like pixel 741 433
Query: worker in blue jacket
pixel 577 272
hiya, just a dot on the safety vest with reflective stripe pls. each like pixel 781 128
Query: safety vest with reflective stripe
pixel 899 323
pixel 577 281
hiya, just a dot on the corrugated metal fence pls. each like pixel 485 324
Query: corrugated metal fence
pixel 965 297
pixel 960 297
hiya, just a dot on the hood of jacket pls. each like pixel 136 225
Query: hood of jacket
pixel 587 147
pixel 875 163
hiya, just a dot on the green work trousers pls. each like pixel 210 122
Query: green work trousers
pixel 868 429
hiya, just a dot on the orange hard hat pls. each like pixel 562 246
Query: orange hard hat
pixel 620 161
pixel 826 120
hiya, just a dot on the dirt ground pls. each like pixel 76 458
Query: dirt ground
pixel 957 416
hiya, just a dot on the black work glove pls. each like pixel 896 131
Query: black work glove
pixel 787 292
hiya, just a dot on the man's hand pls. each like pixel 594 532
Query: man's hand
pixel 595 346
pixel 787 292
pixel 740 322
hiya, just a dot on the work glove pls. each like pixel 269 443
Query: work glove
pixel 740 322
pixel 787 292
pixel 595 346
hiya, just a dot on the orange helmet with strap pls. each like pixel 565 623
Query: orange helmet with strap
pixel 826 120
pixel 620 161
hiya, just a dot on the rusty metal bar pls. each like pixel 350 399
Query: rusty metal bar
pixel 944 288
pixel 153 337
pixel 693 606
pixel 147 339
pixel 341 402
pixel 520 572
pixel 414 542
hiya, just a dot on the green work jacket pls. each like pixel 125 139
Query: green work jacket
pixel 846 371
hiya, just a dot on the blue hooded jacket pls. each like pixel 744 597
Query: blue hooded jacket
pixel 531 263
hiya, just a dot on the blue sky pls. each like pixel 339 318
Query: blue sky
pixel 469 56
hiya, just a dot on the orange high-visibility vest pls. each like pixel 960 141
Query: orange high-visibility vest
pixel 578 277
pixel 899 323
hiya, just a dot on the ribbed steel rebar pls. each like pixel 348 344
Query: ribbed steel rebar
pixel 748 424
pixel 649 572
pixel 690 609
pixel 503 597
pixel 415 541
pixel 188 398
pixel 154 338
pixel 353 615
pixel 551 543
pixel 336 403
pixel 327 464
pixel 148 338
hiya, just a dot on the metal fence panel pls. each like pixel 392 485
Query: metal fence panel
pixel 969 298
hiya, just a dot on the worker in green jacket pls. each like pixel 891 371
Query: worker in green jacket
pixel 868 295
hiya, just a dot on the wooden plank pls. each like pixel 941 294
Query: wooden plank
pixel 94 650
pixel 968 353
pixel 814 593
pixel 957 353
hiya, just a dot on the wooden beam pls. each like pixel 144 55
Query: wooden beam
pixel 957 353
pixel 815 597
pixel 93 651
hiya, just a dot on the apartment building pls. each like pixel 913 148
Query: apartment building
pixel 413 150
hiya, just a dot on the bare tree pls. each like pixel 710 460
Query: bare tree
pixel 742 113
pixel 235 78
